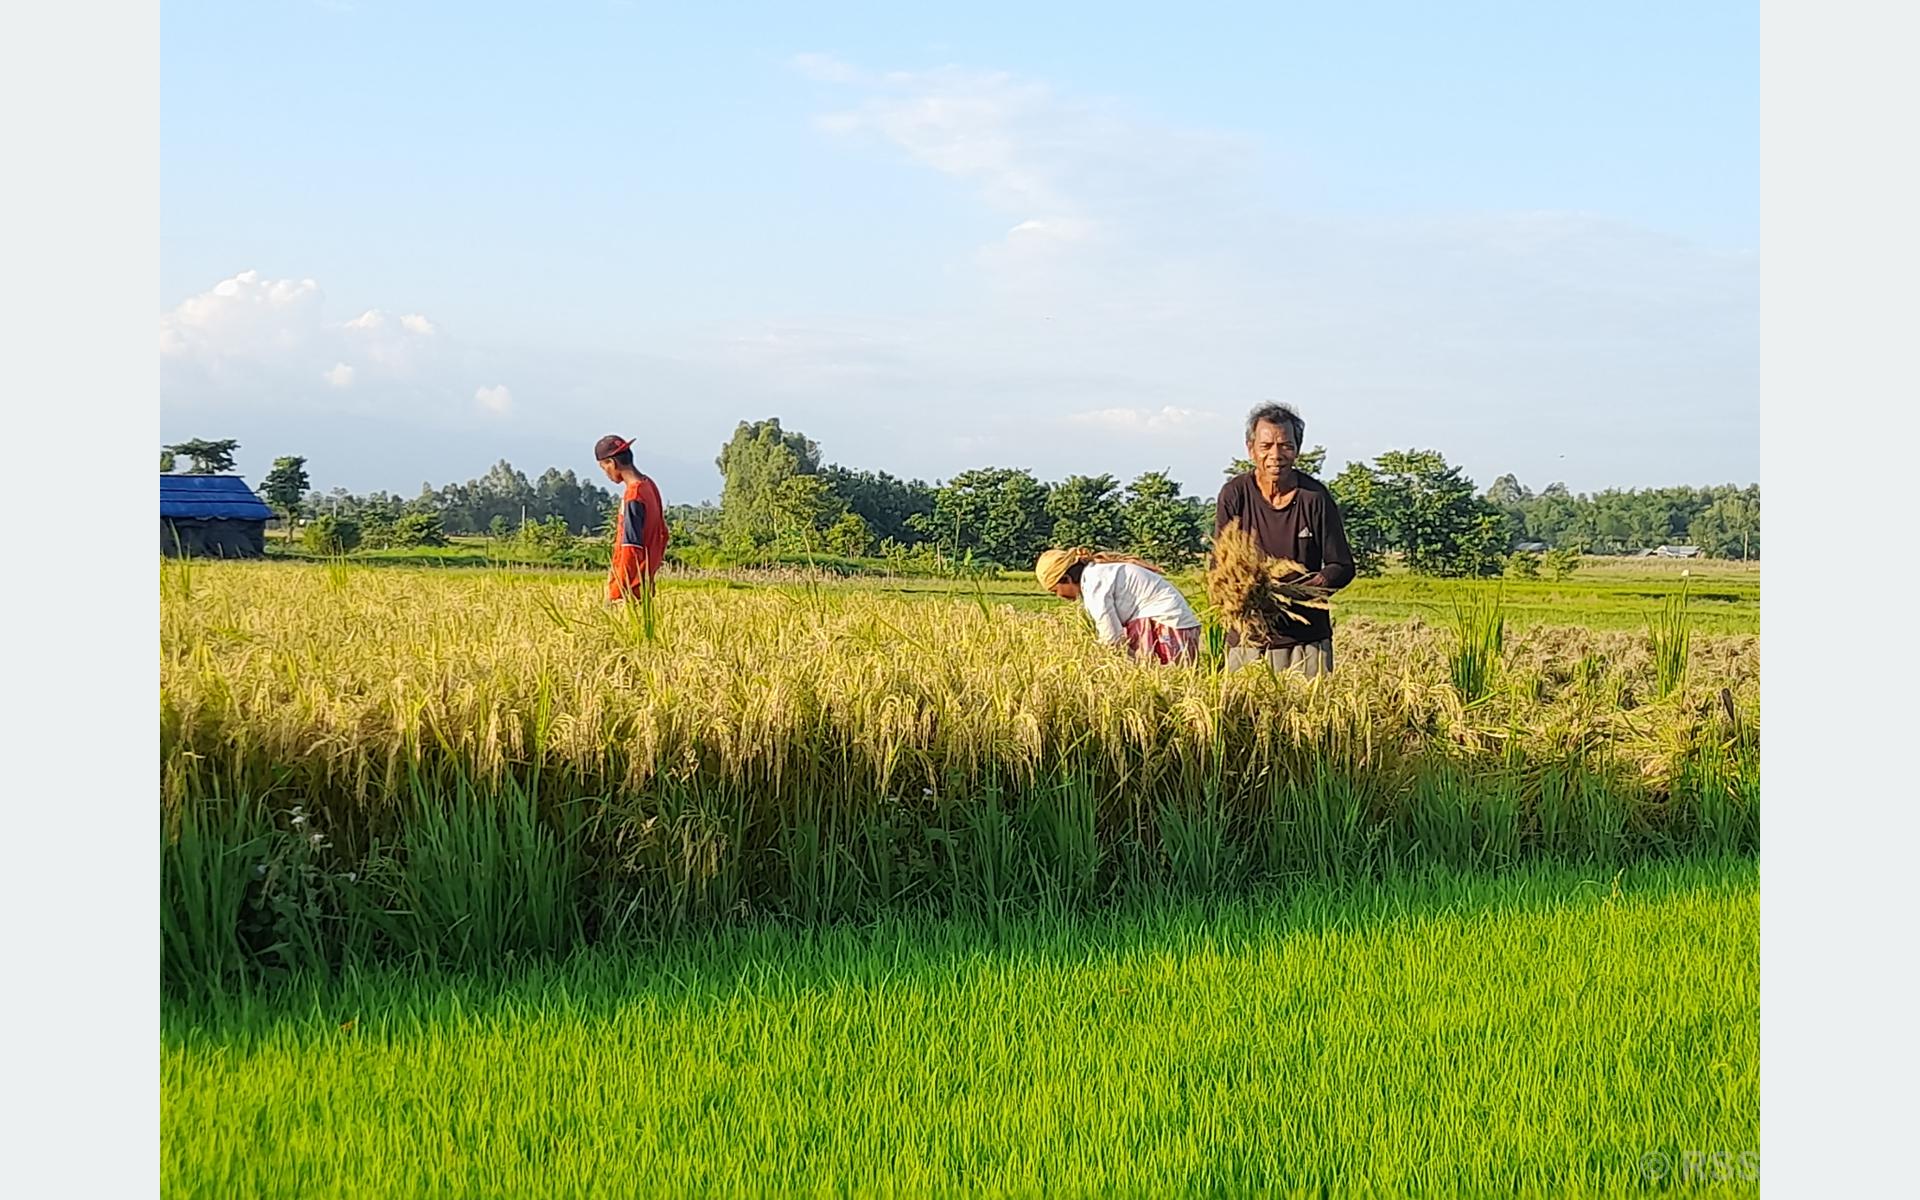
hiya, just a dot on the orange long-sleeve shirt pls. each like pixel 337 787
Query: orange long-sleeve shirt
pixel 639 540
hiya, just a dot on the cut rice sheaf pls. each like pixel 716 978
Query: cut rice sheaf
pixel 1257 596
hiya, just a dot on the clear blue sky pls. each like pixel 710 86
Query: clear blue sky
pixel 406 240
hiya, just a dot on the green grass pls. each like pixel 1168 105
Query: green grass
pixel 1625 596
pixel 458 552
pixel 1536 1033
pixel 1480 629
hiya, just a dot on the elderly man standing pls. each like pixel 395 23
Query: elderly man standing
pixel 1292 516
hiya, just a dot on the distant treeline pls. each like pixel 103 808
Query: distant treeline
pixel 497 502
pixel 780 500
pixel 1723 521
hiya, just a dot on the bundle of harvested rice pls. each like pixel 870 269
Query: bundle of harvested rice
pixel 1254 594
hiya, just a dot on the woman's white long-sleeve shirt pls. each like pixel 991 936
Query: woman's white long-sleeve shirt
pixel 1116 593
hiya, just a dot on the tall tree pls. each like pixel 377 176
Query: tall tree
pixel 997 512
pixel 885 503
pixel 1086 511
pixel 1729 527
pixel 1370 532
pixel 1161 525
pixel 1412 501
pixel 755 462
pixel 1507 491
pixel 284 486
pixel 1556 518
pixel 209 457
pixel 1443 527
pixel 564 495
pixel 509 489
pixel 805 507
pixel 849 536
pixel 1509 496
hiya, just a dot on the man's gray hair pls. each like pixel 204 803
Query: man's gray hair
pixel 1279 414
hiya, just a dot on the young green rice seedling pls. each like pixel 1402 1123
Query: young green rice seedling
pixel 1480 627
pixel 1671 639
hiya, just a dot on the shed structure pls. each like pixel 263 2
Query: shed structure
pixel 212 516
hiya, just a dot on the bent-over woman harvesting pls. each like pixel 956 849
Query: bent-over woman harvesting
pixel 1130 601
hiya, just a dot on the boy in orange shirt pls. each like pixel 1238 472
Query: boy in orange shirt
pixel 640 533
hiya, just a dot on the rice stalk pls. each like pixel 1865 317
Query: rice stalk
pixel 1671 637
pixel 1480 632
pixel 849 753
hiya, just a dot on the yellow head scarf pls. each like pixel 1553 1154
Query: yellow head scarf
pixel 1054 565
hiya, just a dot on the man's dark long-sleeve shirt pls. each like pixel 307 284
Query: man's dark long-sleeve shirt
pixel 1308 531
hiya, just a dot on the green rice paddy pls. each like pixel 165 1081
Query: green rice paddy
pixel 1551 1031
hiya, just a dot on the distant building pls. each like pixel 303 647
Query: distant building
pixel 212 516
pixel 1532 547
pixel 1676 552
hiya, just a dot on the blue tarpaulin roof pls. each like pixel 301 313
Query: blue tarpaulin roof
pixel 211 498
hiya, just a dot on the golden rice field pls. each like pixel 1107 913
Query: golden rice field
pixel 348 752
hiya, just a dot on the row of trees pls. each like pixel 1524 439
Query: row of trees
pixel 1723 521
pixel 779 498
pixel 500 501
pixel 1407 503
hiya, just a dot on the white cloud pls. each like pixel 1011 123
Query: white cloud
pixel 247 339
pixel 983 126
pixel 1166 419
pixel 495 399
pixel 374 321
pixel 396 344
pixel 241 316
pixel 1066 165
